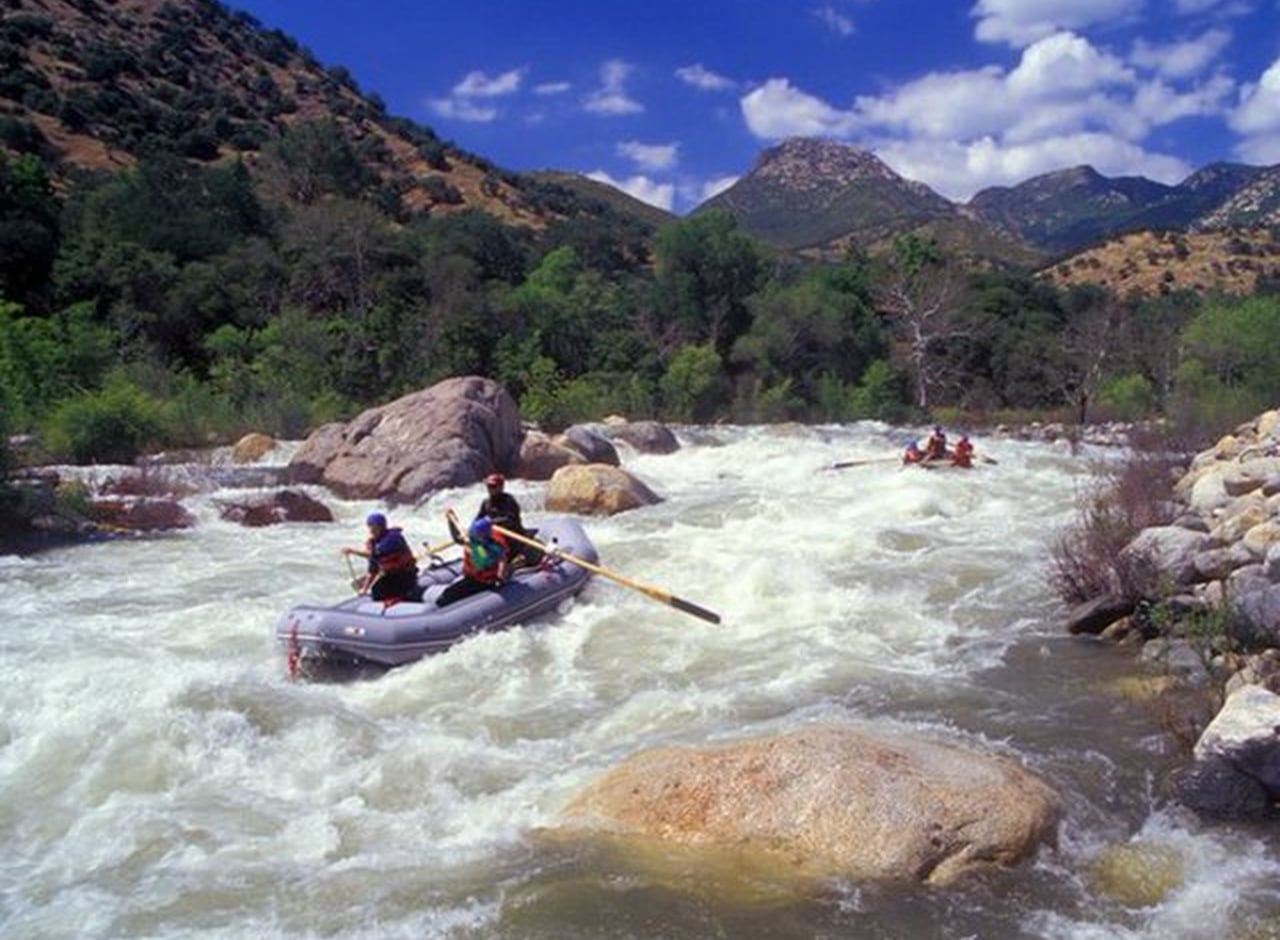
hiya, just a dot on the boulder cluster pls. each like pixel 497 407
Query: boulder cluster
pixel 1218 568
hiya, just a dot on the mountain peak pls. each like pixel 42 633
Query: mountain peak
pixel 808 162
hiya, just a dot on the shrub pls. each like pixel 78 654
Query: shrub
pixel 1127 397
pixel 1086 561
pixel 110 426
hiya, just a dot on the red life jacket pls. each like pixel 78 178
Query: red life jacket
pixel 488 574
pixel 962 456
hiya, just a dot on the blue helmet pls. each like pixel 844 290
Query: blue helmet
pixel 376 519
pixel 481 528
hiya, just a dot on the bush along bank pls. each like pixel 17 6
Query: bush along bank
pixel 1198 585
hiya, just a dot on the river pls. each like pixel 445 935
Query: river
pixel 160 777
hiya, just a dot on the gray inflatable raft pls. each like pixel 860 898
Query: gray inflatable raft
pixel 359 632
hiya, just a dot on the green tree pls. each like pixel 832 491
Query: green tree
pixel 706 270
pixel 29 228
pixel 313 159
pixel 692 386
pixel 1232 365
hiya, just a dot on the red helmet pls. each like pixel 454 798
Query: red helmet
pixel 494 479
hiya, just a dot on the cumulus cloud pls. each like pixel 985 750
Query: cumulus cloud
pixel 1022 22
pixel 611 98
pixel 643 188
pixel 1181 59
pixel 1259 109
pixel 649 156
pixel 704 79
pixel 834 20
pixel 779 109
pixel 1065 101
pixel 959 169
pixel 1257 118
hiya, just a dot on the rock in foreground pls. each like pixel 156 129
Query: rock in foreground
pixel 828 802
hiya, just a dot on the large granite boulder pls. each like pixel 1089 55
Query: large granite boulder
pixel 594 489
pixel 590 441
pixel 827 802
pixel 647 437
pixel 540 457
pixel 451 434
pixel 1169 549
pixel 1246 734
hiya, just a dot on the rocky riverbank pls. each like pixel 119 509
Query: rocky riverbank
pixel 1210 609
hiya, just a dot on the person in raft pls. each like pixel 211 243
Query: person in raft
pixel 484 563
pixel 393 571
pixel 935 445
pixel 962 453
pixel 913 454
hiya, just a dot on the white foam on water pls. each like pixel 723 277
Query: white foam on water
pixel 159 776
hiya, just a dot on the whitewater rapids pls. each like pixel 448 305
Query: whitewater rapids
pixel 161 778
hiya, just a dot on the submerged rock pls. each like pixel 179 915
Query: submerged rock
pixel 828 802
pixel 284 506
pixel 1138 874
pixel 252 447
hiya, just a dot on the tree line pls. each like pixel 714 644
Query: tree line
pixel 176 303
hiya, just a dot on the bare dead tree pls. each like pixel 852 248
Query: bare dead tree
pixel 922 296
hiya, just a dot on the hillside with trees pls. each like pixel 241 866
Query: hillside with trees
pixel 186 294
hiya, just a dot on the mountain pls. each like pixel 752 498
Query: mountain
pixel 1067 208
pixel 807 193
pixel 93 85
pixel 1070 209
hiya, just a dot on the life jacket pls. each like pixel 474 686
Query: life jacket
pixel 481 560
pixel 962 456
pixel 935 448
pixel 392 554
pixel 913 456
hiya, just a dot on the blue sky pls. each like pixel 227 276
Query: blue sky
pixel 672 100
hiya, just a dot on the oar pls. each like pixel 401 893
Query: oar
pixel 355 582
pixel 658 594
pixel 840 465
pixel 430 550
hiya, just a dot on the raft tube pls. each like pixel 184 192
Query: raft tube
pixel 359 632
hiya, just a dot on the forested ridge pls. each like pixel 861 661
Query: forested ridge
pixel 285 280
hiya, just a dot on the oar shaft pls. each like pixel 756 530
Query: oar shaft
pixel 658 594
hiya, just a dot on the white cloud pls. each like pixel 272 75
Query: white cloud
pixel 611 98
pixel 1064 102
pixel 551 88
pixel 649 156
pixel 704 79
pixel 1022 22
pixel 958 170
pixel 713 187
pixel 462 109
pixel 661 195
pixel 1259 109
pixel 480 85
pixel 1261 150
pixel 778 109
pixel 834 20
pixel 1181 59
